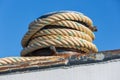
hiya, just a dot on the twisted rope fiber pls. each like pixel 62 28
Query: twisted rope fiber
pixel 40 23
pixel 72 33
pixel 18 60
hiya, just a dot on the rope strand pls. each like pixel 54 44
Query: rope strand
pixel 72 30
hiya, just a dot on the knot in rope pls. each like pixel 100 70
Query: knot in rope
pixel 66 29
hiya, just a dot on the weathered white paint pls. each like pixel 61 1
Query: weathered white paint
pixel 107 71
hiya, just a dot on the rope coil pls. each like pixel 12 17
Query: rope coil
pixel 67 30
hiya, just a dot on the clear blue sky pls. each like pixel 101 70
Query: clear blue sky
pixel 15 15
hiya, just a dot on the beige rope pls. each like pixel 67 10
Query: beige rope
pixel 40 23
pixel 76 26
pixel 63 32
pixel 71 33
pixel 17 60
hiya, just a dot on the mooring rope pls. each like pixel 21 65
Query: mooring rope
pixel 20 60
pixel 67 29
pixel 61 29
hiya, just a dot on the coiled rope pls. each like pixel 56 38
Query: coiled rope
pixel 61 29
pixel 67 29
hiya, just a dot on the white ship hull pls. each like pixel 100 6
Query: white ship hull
pixel 94 71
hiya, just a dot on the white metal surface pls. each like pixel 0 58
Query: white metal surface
pixel 103 71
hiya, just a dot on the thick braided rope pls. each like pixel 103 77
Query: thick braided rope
pixel 63 32
pixel 40 23
pixel 76 26
pixel 78 36
pixel 17 60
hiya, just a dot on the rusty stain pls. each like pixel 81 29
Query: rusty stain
pixel 51 60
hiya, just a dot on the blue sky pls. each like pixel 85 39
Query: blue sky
pixel 15 15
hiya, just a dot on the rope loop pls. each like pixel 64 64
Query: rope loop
pixel 66 29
